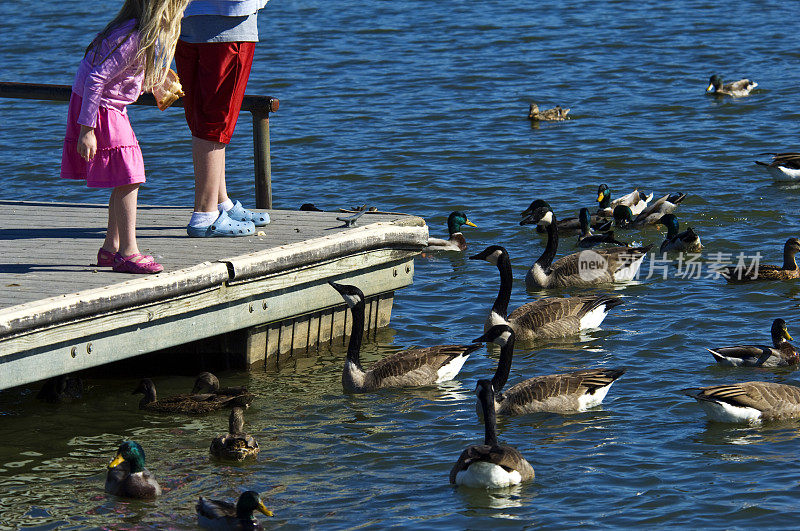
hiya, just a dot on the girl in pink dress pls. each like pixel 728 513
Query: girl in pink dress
pixel 133 53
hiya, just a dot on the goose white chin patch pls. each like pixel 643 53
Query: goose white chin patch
pixel 351 300
pixel 494 257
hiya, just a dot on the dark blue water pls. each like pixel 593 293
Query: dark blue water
pixel 421 107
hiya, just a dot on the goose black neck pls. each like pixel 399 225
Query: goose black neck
pixel 356 333
pixel 552 245
pixel 789 263
pixel 489 421
pixel 500 306
pixel 503 366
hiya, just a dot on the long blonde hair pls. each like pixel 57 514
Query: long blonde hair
pixel 159 25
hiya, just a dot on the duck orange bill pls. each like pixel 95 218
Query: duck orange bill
pixel 709 87
pixel 600 197
pixel 117 460
pixel 471 224
pixel 786 335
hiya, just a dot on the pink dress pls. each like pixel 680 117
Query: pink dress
pixel 107 81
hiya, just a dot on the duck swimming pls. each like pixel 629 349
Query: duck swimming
pixel 193 403
pixel 780 354
pixel 735 89
pixel 556 114
pixel 687 240
pixel 566 225
pixel 456 242
pixel 636 200
pixel 624 218
pixel 127 476
pixel 236 445
pixel 220 514
pixel 758 271
pixel 587 239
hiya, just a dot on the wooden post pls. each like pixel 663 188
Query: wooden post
pixel 263 166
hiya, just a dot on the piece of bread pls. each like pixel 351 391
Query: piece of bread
pixel 169 91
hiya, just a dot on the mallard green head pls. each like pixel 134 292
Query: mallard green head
pixel 714 82
pixel 779 331
pixel 604 196
pixel 538 213
pixel 456 220
pixel 491 254
pixel 132 453
pixel 671 222
pixel 623 215
pixel 248 502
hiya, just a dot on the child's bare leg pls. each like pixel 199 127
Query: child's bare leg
pixel 111 243
pixel 125 199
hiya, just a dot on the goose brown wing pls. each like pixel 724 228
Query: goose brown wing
pixel 763 396
pixel 576 383
pixel 502 455
pixel 426 360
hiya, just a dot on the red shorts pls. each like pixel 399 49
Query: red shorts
pixel 214 76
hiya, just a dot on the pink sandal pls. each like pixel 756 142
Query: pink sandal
pixel 106 258
pixel 136 263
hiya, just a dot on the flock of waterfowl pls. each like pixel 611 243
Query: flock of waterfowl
pixel 495 465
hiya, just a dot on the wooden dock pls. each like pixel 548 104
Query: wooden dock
pixel 59 313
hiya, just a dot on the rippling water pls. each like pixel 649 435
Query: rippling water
pixel 421 107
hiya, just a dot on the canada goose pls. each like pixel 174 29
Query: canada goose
pixel 456 242
pixel 127 476
pixel 556 114
pixel 625 219
pixel 587 240
pixel 587 268
pixel 220 514
pixel 409 368
pixel 636 200
pixel 546 318
pixel 735 88
pixel 750 402
pixel 236 445
pixel 556 393
pixel 566 225
pixel 197 403
pixel 783 167
pixel 780 354
pixel 758 271
pixel 490 465
pixel 687 240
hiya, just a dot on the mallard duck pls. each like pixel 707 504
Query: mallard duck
pixel 63 388
pixel 783 167
pixel 220 514
pixel 208 383
pixel 556 393
pixel 780 354
pixel 636 200
pixel 195 403
pixel 457 242
pixel 735 89
pixel 566 225
pixel 624 218
pixel 409 368
pixel 750 402
pixel 758 271
pixel 546 318
pixel 490 465
pixel 127 476
pixel 587 268
pixel 687 240
pixel 236 445
pixel 587 240
pixel 555 114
